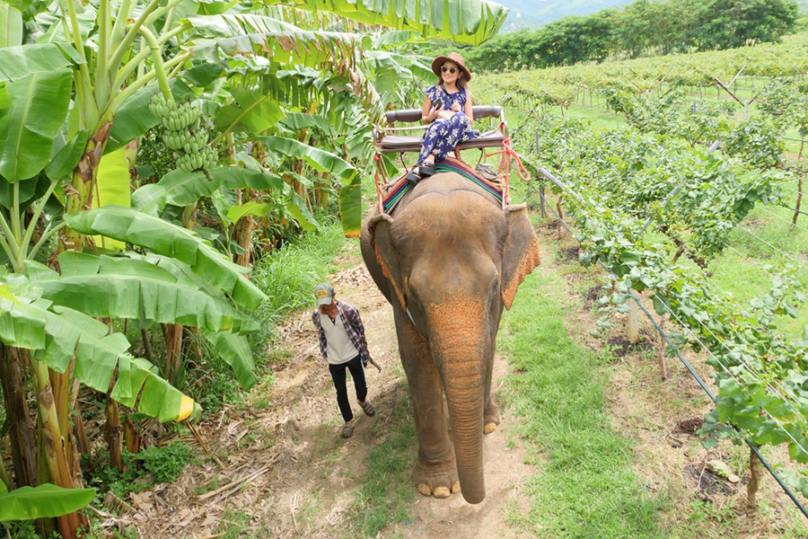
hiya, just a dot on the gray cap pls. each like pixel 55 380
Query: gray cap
pixel 324 293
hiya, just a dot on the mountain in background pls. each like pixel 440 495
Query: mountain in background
pixel 534 13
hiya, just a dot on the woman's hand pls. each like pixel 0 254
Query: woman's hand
pixel 429 118
pixel 455 107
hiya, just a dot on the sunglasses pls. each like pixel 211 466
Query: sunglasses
pixel 451 70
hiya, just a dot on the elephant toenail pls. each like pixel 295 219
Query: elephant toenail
pixel 456 487
pixel 442 492
pixel 424 489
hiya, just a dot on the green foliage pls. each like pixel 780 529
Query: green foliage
pixel 288 275
pixel 615 180
pixel 165 463
pixel 42 501
pixel 642 27
pixel 154 465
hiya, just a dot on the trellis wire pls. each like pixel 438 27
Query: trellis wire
pixel 682 359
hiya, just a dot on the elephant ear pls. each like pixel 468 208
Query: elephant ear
pixel 520 253
pixel 379 229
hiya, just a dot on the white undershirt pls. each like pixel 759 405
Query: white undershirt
pixel 339 349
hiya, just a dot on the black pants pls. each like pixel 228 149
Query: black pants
pixel 358 375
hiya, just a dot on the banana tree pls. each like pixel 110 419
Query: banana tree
pixel 48 320
pixel 75 86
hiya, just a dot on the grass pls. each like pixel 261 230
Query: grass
pixel 288 275
pixel 586 488
pixel 385 492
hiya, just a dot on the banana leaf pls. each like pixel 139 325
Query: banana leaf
pixel 183 188
pixel 43 501
pixel 39 105
pixel 158 398
pixel 235 351
pixel 252 111
pixel 122 287
pixel 167 239
pixel 319 160
pixel 281 42
pixel 59 333
pixel 463 21
pixel 300 120
pixel 112 187
pixel 350 208
pixel 25 60
pixel 10 26
pixel 250 209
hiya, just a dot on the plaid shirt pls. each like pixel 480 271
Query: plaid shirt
pixel 353 326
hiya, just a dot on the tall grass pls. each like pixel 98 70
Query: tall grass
pixel 288 275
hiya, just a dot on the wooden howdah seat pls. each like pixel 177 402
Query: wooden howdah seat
pixel 389 191
pixel 387 142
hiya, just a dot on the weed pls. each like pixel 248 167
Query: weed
pixel 155 465
pixel 167 462
pixel 261 404
pixel 234 526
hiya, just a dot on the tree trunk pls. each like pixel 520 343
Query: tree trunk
pixel 54 446
pixel 173 356
pixel 113 430
pixel 21 432
pixel 799 201
pixel 754 480
pixel 131 437
pixel 84 177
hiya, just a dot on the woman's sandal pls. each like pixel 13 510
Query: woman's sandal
pixel 368 408
pixel 347 431
pixel 424 171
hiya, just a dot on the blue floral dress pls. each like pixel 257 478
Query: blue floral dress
pixel 443 135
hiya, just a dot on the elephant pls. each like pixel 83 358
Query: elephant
pixel 448 262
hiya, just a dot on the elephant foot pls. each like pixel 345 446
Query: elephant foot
pixel 439 481
pixel 492 418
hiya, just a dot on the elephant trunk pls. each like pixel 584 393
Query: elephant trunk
pixel 461 358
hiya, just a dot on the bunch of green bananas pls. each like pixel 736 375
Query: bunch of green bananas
pixel 183 117
pixel 202 160
pixel 161 107
pixel 184 134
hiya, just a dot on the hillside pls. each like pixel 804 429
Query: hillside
pixel 533 13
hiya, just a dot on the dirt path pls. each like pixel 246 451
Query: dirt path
pixel 301 478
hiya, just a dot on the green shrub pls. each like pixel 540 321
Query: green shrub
pixel 155 465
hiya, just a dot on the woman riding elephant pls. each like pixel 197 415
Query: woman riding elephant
pixel 448 111
pixel 449 260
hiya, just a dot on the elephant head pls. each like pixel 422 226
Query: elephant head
pixel 451 260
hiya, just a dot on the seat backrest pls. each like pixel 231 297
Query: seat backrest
pixel 414 115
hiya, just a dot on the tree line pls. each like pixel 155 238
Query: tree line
pixel 641 28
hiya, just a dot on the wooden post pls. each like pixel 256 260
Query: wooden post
pixel 754 479
pixel 543 209
pixel 663 345
pixel 633 321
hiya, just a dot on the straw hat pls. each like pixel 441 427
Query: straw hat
pixel 454 57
